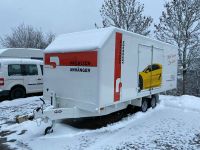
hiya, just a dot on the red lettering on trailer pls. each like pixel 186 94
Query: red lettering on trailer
pixel 86 58
pixel 117 69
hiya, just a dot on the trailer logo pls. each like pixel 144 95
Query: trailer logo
pixel 80 63
pixel 79 69
pixel 73 59
pixel 171 59
pixel 122 52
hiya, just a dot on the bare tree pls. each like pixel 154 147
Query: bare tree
pixel 125 14
pixel 25 36
pixel 180 25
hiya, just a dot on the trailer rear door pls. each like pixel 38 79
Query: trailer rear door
pixel 73 77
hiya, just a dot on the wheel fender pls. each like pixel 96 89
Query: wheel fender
pixel 13 84
pixel 18 85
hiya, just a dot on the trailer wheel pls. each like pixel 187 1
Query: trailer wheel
pixel 144 105
pixel 48 130
pixel 17 92
pixel 153 102
pixel 140 82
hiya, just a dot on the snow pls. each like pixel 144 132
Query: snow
pixel 89 40
pixel 17 60
pixel 185 102
pixel 22 49
pixel 79 41
pixel 173 124
pixel 10 109
pixel 21 53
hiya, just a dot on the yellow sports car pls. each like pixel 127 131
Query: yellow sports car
pixel 150 77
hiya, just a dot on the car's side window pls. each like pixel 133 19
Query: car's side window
pixel 14 70
pixel 149 69
pixel 41 66
pixel 155 67
pixel 29 69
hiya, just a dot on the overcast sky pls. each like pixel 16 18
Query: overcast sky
pixel 60 16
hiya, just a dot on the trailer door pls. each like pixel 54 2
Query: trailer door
pixel 144 67
pixel 150 68
pixel 157 68
pixel 129 65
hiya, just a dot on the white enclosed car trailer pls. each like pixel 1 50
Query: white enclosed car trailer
pixel 97 72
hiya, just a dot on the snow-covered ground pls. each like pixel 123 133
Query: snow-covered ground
pixel 173 124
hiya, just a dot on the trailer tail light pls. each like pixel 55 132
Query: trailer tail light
pixel 1 81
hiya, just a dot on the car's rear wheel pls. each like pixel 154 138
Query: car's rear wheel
pixel 17 92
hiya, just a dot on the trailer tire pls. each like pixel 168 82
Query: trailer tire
pixel 144 105
pixel 48 130
pixel 153 102
pixel 140 82
pixel 17 92
pixel 157 98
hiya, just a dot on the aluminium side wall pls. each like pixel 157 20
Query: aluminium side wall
pixel 137 52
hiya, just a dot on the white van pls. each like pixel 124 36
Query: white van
pixel 19 77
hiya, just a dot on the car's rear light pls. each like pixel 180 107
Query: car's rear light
pixel 1 81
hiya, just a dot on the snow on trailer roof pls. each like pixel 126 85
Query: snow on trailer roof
pixel 84 40
pixel 87 40
pixel 21 53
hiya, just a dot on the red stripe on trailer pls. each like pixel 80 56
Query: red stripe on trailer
pixel 86 58
pixel 117 69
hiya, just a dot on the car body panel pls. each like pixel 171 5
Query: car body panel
pixel 22 80
pixel 152 78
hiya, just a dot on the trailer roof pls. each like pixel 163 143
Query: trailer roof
pixel 87 40
pixel 79 41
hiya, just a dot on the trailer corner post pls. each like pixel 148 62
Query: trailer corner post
pixel 151 69
pixel 53 99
